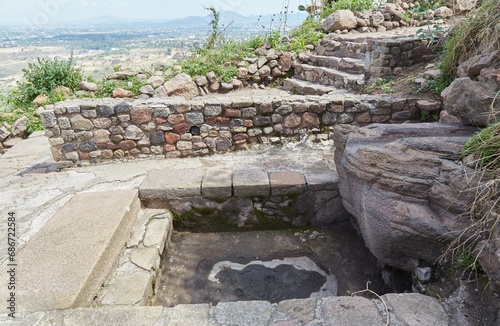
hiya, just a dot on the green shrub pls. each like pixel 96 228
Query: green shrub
pixel 307 33
pixel 106 87
pixel 353 5
pixel 484 147
pixel 222 60
pixel 42 78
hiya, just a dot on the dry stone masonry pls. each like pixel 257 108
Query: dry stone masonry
pixel 93 131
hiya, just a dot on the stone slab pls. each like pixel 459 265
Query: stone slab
pixel 415 309
pixel 217 183
pixel 158 232
pixel 322 179
pixel 351 311
pixel 287 183
pixel 170 184
pixel 242 313
pixel 114 316
pixel 65 264
pixel 129 289
pixel 190 315
pixel 250 183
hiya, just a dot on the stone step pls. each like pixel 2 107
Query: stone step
pixel 349 65
pixel 67 261
pixel 389 309
pixel 329 76
pixel 341 49
pixel 132 282
pixel 245 198
pixel 303 87
pixel 216 183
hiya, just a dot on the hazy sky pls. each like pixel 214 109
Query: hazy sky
pixel 40 12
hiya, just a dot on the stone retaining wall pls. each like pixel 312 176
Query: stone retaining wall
pixel 93 131
pixel 383 56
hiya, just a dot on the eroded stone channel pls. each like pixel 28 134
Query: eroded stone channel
pixel 266 265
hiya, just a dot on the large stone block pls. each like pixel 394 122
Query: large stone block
pixel 65 264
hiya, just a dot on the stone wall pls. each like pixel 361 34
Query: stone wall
pixel 383 56
pixel 93 131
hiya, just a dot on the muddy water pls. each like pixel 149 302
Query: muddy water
pixel 266 265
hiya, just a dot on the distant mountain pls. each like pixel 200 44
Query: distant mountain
pixel 226 18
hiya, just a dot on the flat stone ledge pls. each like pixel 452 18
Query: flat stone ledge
pixel 351 311
pixel 168 184
pixel 287 183
pixel 251 183
pixel 404 309
pixel 65 264
pixel 217 183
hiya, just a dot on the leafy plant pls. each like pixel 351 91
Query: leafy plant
pixel 214 23
pixel 466 261
pixel 353 5
pixel 423 9
pixel 42 78
pixel 383 85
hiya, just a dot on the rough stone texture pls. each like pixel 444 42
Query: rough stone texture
pixel 101 227
pixel 343 311
pixel 415 309
pixel 168 184
pixel 229 313
pixel 128 289
pixel 248 183
pixel 217 183
pixel 471 102
pixel 287 183
pixel 405 309
pixel 182 85
pixel 203 127
pixel 404 192
pixel 339 20
pixel 464 5
pixel 113 316
pixel 121 93
pixel 157 232
pixel 88 86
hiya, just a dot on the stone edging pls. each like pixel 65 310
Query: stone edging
pixel 132 283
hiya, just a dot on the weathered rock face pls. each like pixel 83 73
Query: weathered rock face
pixel 402 188
pixel 182 85
pixel 339 20
pixel 472 102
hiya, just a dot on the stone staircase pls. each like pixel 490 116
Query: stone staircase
pixel 336 63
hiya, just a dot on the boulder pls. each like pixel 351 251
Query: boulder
pixel 4 133
pixel 464 5
pixel 88 86
pixel 340 19
pixel 161 92
pixel 19 127
pixel 404 188
pixel 182 85
pixel 474 103
pixel 376 19
pixel 147 89
pixel 155 81
pixel 41 100
pixel 443 12
pixel 121 93
pixel 472 67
